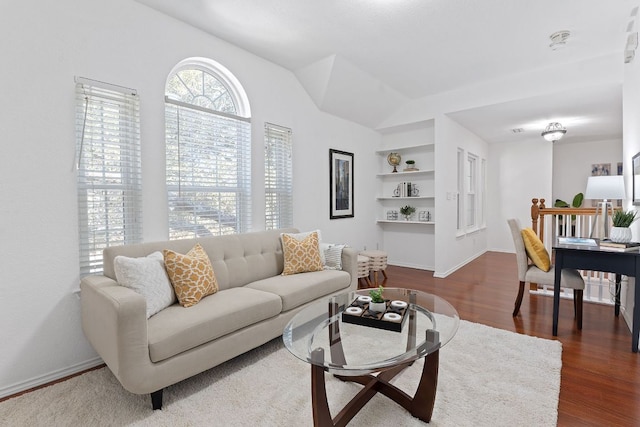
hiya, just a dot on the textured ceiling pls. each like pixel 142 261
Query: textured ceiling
pixel 407 49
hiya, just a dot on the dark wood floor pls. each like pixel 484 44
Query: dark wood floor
pixel 600 383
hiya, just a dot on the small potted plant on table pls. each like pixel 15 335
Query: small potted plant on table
pixel 377 302
pixel 620 232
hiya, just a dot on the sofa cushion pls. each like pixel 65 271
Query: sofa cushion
pixel 301 256
pixel 177 329
pixel 299 289
pixel 191 275
pixel 148 277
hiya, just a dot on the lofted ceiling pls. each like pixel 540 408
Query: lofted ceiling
pixel 365 59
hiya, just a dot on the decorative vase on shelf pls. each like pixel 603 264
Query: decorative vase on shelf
pixel 620 234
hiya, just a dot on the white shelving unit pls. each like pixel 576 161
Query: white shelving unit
pixel 408 243
pixel 423 179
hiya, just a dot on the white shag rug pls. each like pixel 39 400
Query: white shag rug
pixel 487 377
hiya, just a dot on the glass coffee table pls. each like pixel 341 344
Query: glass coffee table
pixel 324 336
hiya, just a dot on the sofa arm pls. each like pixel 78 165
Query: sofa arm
pixel 350 265
pixel 114 320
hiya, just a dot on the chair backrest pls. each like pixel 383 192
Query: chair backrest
pixel 521 253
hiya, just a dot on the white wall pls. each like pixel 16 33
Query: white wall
pixel 46 44
pixel 519 172
pixel 630 147
pixel 460 249
pixel 572 166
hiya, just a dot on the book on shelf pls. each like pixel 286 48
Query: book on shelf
pixel 622 247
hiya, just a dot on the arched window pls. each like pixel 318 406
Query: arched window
pixel 208 151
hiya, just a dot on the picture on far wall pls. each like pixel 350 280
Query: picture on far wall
pixel 619 204
pixel 598 169
pixel 340 184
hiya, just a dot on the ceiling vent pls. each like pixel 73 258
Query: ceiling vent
pixel 559 39
pixel 517 130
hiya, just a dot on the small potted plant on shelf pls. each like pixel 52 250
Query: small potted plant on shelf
pixel 407 211
pixel 411 166
pixel 620 232
pixel 377 303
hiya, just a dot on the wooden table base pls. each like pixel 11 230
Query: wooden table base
pixel 420 405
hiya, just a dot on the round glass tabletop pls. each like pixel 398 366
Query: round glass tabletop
pixel 354 343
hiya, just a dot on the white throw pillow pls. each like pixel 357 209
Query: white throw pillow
pixel 333 257
pixel 323 248
pixel 148 277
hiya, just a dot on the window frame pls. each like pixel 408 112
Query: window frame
pixel 109 183
pixel 209 161
pixel 278 176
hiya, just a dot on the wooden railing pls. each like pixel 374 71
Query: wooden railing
pixel 580 222
pixel 550 223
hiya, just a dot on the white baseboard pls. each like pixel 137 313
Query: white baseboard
pixel 50 377
pixel 441 275
pixel 409 265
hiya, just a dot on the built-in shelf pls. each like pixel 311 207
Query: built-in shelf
pixel 408 148
pixel 399 221
pixel 406 198
pixel 400 173
pixel 407 242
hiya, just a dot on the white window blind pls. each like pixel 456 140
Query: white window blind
pixel 278 177
pixel 109 170
pixel 208 171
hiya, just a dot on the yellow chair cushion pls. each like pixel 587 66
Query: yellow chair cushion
pixel 536 250
pixel 301 256
pixel 191 275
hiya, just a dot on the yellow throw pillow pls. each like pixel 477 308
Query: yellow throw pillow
pixel 191 275
pixel 536 250
pixel 301 256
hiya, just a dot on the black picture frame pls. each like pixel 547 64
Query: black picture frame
pixel 635 179
pixel 341 187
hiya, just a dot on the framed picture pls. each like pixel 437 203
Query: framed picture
pixel 340 184
pixel 599 169
pixel 635 179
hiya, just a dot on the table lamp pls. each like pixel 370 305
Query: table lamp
pixel 607 188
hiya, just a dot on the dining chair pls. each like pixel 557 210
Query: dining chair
pixel 530 273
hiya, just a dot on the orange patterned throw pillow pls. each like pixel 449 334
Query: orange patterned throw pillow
pixel 191 275
pixel 301 256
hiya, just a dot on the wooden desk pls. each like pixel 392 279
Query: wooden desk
pixel 595 259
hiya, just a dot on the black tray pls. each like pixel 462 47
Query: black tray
pixel 375 319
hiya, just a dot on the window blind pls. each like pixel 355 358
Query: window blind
pixel 278 179
pixel 208 168
pixel 109 171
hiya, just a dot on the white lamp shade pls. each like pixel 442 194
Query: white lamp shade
pixel 609 187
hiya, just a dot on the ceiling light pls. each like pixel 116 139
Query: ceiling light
pixel 553 132
pixel 559 39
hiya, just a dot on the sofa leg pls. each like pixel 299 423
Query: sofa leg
pixel 156 399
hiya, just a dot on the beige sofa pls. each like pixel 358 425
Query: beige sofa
pixel 253 305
